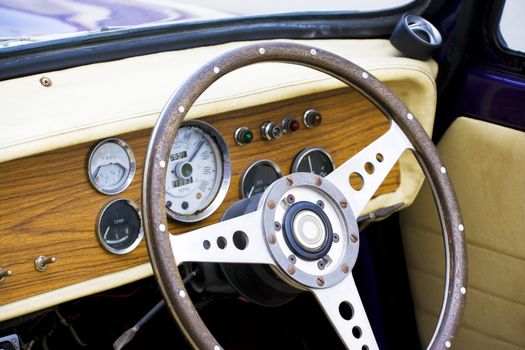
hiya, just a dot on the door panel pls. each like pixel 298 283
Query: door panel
pixel 487 165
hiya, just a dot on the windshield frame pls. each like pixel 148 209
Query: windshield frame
pixel 108 45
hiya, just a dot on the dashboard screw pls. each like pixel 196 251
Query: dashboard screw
pixel 291 269
pixel 345 268
pixel 353 238
pixel 320 281
pixel 45 81
pixel 272 239
pixel 271 204
pixel 343 204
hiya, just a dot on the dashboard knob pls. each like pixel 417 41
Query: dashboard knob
pixel 271 131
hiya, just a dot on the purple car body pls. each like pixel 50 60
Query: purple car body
pixel 55 17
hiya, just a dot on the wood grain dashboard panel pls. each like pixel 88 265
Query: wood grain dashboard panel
pixel 48 206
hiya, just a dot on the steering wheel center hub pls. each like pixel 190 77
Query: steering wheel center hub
pixel 307 230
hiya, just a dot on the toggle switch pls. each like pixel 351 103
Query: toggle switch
pixel 4 274
pixel 42 262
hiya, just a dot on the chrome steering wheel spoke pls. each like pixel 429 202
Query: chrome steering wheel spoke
pixel 237 240
pixel 343 307
pixel 370 167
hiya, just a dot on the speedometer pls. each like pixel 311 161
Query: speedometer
pixel 199 171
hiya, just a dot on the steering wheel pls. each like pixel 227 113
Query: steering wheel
pixel 301 213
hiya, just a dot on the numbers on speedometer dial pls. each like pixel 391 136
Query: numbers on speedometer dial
pixel 198 174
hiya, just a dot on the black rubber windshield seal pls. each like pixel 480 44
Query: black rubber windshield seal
pixel 116 44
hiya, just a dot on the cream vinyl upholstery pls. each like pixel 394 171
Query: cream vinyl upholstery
pixel 487 165
pixel 101 100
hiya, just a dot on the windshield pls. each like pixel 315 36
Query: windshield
pixel 24 20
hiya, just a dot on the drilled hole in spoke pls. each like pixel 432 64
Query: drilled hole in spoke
pixel 365 347
pixel 356 331
pixel 356 181
pixel 206 244
pixel 369 168
pixel 379 157
pixel 346 311
pixel 240 240
pixel 221 242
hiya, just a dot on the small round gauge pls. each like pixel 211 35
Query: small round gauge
pixel 119 226
pixel 199 171
pixel 111 166
pixel 258 177
pixel 313 160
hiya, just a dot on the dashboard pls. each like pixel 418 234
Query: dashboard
pixel 71 188
pixel 81 205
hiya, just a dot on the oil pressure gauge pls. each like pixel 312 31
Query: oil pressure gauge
pixel 111 166
pixel 199 171
pixel 313 160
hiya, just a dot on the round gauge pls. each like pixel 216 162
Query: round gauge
pixel 119 226
pixel 258 177
pixel 313 160
pixel 111 166
pixel 199 171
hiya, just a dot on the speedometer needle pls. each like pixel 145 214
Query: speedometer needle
pixel 197 150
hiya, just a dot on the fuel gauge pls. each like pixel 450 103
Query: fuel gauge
pixel 111 166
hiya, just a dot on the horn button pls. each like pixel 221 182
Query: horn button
pixel 307 223
pixel 307 230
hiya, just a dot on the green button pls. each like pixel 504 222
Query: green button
pixel 247 136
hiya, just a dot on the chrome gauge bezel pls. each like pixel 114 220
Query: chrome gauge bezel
pixel 100 234
pixel 226 174
pixel 132 167
pixel 253 165
pixel 301 155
